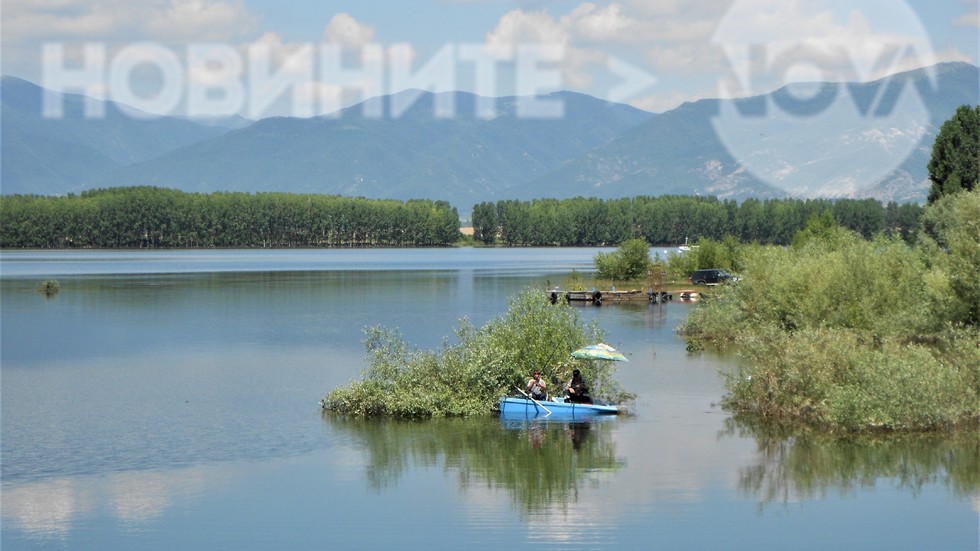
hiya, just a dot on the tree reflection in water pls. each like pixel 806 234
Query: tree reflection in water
pixel 796 464
pixel 542 463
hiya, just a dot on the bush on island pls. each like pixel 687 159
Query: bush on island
pixel 470 376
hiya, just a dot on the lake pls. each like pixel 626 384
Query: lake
pixel 169 400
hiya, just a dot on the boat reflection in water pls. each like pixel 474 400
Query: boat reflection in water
pixel 541 462
pixel 540 429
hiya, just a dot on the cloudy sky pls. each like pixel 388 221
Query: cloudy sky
pixel 307 57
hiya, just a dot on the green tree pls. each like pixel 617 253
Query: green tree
pixel 630 261
pixel 822 228
pixel 955 162
pixel 485 226
pixel 950 238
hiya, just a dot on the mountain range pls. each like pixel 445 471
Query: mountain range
pixel 866 140
pixel 807 140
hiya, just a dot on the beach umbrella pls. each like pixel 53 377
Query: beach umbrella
pixel 599 351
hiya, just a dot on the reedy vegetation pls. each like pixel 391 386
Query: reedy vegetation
pixel 856 334
pixel 469 376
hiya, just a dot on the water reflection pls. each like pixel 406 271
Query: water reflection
pixel 51 509
pixel 640 314
pixel 793 466
pixel 171 403
pixel 541 463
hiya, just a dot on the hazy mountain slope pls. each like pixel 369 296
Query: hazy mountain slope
pixel 873 141
pixel 57 155
pixel 463 159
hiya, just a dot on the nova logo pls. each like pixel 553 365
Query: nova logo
pixel 813 109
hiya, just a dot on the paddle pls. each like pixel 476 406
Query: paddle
pixel 536 403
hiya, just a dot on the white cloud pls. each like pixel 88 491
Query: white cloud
pixel 29 24
pixel 678 9
pixel 308 91
pixel 348 32
pixel 968 20
pixel 598 24
pixel 200 21
pixel 113 20
pixel 272 44
pixel 801 39
pixel 34 20
pixel 795 40
pixel 673 35
pixel 535 27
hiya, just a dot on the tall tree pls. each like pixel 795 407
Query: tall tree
pixel 955 162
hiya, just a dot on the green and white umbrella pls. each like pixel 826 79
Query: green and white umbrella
pixel 599 351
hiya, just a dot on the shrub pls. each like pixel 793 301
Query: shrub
pixel 835 378
pixel 950 241
pixel 874 286
pixel 630 261
pixel 856 334
pixel 50 288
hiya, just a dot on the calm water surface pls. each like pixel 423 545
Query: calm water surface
pixel 168 400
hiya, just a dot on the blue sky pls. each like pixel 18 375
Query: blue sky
pixel 653 54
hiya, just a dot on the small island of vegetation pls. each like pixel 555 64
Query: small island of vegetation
pixel 468 377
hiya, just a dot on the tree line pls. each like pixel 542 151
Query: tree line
pixel 136 217
pixel 674 219
pixel 139 217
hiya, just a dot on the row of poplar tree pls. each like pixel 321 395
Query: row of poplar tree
pixel 159 218
pixel 675 219
pixel 137 217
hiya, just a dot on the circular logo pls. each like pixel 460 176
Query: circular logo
pixel 816 102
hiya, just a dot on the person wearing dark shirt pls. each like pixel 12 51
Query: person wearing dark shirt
pixel 577 391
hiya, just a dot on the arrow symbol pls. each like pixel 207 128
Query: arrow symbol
pixel 634 80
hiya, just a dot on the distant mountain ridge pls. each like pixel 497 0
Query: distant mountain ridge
pixel 680 151
pixel 462 159
pixel 596 149
pixel 53 156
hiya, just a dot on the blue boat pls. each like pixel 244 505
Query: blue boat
pixel 521 407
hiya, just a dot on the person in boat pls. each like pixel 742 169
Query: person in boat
pixel 577 391
pixel 536 387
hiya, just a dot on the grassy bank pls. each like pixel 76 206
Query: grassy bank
pixel 856 334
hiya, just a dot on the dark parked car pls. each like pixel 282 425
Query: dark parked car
pixel 712 276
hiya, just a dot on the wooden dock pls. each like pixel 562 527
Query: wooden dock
pixel 598 297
